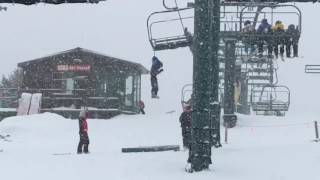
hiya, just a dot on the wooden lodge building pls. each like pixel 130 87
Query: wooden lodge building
pixel 79 78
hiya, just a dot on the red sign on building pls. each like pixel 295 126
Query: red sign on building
pixel 74 68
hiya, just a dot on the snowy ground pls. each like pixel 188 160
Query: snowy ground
pixel 264 148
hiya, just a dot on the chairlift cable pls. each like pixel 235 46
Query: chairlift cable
pixel 182 25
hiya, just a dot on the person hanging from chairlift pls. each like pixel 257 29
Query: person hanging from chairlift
pixel 248 29
pixel 156 69
pixel 293 35
pixel 279 40
pixel 264 29
pixel 83 145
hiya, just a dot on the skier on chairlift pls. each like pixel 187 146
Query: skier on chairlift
pixel 156 69
pixel 248 29
pixel 279 40
pixel 292 40
pixel 264 29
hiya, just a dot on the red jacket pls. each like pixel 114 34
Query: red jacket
pixel 141 104
pixel 83 126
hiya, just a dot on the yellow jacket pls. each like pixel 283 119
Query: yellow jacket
pixel 278 27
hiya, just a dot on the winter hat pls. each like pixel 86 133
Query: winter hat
pixel 82 114
pixel 264 21
pixel 278 22
pixel 247 22
pixel 291 26
pixel 187 107
pixel 154 58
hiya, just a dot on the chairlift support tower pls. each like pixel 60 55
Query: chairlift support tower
pixel 229 118
pixel 205 60
pixel 214 73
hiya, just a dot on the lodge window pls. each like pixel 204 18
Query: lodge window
pixel 61 81
pixel 129 91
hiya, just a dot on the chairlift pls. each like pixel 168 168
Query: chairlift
pixel 184 39
pixel 270 100
pixel 186 94
pixel 269 11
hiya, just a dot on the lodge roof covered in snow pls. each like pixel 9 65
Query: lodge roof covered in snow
pixel 81 52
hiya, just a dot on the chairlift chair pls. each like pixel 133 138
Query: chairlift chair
pixel 269 11
pixel 186 94
pixel 184 39
pixel 270 100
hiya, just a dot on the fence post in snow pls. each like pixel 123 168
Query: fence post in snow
pixel 316 130
pixel 226 135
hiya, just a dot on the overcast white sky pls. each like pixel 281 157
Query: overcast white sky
pixel 115 27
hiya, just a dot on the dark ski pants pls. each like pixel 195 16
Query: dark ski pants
pixel 186 137
pixel 260 46
pixel 276 50
pixel 154 86
pixel 142 111
pixel 294 46
pixel 83 145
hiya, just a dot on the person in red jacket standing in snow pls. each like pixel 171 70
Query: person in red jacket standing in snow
pixel 83 132
pixel 141 107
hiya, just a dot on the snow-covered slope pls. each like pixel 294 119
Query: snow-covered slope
pixel 259 148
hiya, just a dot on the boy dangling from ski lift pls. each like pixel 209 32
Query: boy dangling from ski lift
pixel 292 40
pixel 83 145
pixel 156 69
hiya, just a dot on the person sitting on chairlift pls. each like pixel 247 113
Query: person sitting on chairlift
pixel 279 40
pixel 248 42
pixel 292 40
pixel 156 69
pixel 264 29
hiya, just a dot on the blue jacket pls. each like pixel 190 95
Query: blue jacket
pixel 156 66
pixel 264 27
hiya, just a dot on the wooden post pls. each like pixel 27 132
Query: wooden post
pixel 316 130
pixel 226 135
